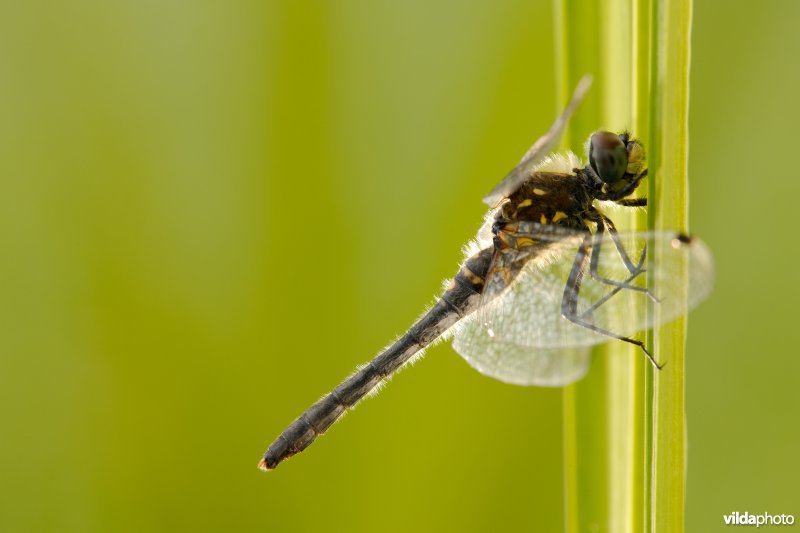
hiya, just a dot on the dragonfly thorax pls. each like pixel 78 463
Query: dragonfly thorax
pixel 549 198
pixel 556 194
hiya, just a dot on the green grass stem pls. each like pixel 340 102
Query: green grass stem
pixel 624 425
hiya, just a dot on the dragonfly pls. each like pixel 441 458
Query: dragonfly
pixel 547 277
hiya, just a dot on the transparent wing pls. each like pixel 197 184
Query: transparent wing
pixel 536 153
pixel 513 363
pixel 520 334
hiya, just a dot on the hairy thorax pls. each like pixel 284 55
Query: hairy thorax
pixel 547 198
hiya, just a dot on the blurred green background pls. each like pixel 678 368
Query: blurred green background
pixel 212 212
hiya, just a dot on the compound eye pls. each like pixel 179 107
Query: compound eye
pixel 608 156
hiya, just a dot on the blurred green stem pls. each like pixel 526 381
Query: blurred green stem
pixel 624 424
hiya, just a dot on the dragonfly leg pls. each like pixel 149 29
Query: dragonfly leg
pixel 632 202
pixel 608 296
pixel 635 270
pixel 604 222
pixel 569 301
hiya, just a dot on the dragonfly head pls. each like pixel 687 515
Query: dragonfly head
pixel 618 161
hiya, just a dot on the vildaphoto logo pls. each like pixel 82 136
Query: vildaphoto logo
pixel 765 519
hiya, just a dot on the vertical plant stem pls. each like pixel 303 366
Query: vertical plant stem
pixel 623 362
pixel 640 103
pixel 624 424
pixel 669 161
pixel 602 459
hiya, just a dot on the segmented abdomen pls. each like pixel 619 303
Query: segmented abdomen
pixel 459 300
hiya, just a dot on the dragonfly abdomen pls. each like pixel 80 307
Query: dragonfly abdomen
pixel 459 300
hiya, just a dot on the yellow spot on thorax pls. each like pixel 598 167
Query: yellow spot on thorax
pixel 543 219
pixel 560 215
pixel 539 192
